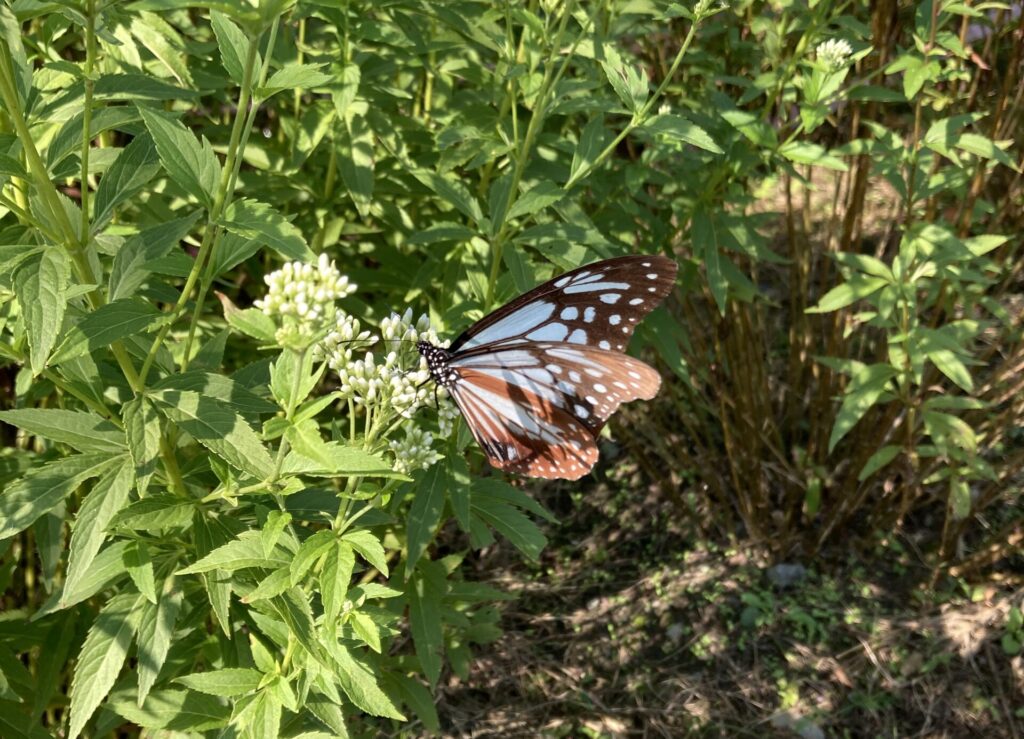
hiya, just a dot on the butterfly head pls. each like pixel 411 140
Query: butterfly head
pixel 437 362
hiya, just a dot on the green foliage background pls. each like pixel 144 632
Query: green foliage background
pixel 165 565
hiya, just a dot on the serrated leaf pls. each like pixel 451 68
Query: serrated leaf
pixel 42 488
pixel 360 684
pixel 512 524
pixel 370 547
pixel 139 254
pixel 334 580
pixel 142 432
pixel 590 145
pixel 341 460
pixel 215 425
pixel 140 569
pixel 172 710
pixel 537 198
pixel 309 552
pixel 295 76
pixel 254 220
pixel 189 163
pixel 41 284
pixel 234 46
pixel 227 682
pixel 86 432
pixel 424 514
pixel 102 657
pixel 155 635
pixel 245 551
pixel 108 496
pixel 107 324
pixel 681 129
pixel 135 166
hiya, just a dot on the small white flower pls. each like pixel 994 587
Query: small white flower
pixel 341 343
pixel 833 53
pixel 305 291
pixel 415 451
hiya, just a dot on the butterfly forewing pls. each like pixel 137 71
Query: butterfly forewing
pixel 537 379
pixel 598 305
pixel 537 408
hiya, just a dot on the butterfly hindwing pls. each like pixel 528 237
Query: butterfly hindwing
pixel 537 408
pixel 597 305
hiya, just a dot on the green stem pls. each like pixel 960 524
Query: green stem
pixel 90 63
pixel 640 117
pixel 232 165
pixel 221 197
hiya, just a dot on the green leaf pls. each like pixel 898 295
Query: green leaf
pixel 878 460
pixel 370 547
pixel 334 580
pixel 44 487
pixel 227 682
pixel 849 292
pixel 705 241
pixel 271 586
pixel 959 497
pixel 214 385
pixel 234 46
pixel 108 496
pixel 41 285
pixel 309 552
pixel 139 254
pixel 295 77
pixel 537 198
pixel 855 405
pixel 355 162
pixel 947 429
pixel 107 568
pixel 245 551
pixel 253 220
pixel 155 632
pixel 341 460
pixel 459 491
pixel 679 128
pixel 451 191
pixel 172 710
pixel 215 425
pixel 252 321
pixel 189 163
pixel 590 145
pixel 142 431
pixel 360 684
pixel 952 367
pixel 366 629
pixel 512 524
pixel 85 431
pixel 107 324
pixel 425 513
pixel 11 255
pixel 140 569
pixel 984 147
pixel 425 593
pixel 102 657
pixel 155 513
pixel 135 166
pixel 806 152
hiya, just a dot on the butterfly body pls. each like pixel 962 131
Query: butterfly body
pixel 537 379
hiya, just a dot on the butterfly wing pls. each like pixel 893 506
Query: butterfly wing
pixel 537 408
pixel 597 305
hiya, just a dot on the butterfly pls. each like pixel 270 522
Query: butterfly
pixel 538 378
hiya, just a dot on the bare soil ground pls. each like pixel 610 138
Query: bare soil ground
pixel 631 627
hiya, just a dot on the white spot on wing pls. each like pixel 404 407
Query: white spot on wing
pixel 588 314
pixel 569 314
pixel 636 301
pixel 614 319
pixel 549 332
pixel 579 336
pixel 610 298
pixel 604 344
pixel 592 287
pixel 517 322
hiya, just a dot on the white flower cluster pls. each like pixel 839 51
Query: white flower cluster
pixel 342 342
pixel 415 451
pixel 305 291
pixel 833 53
